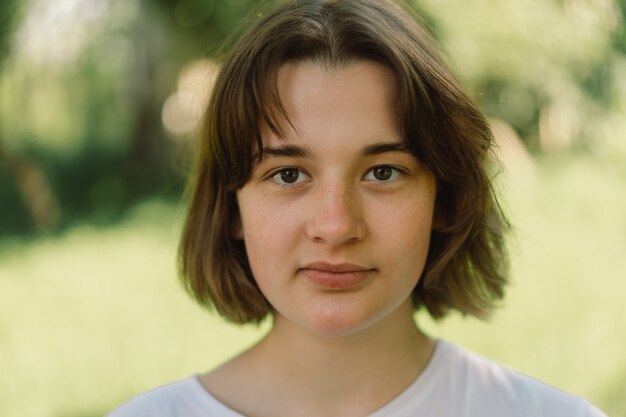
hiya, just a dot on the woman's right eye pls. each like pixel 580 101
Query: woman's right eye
pixel 289 176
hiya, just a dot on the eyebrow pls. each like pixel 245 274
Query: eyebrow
pixel 296 151
pixel 293 151
pixel 384 147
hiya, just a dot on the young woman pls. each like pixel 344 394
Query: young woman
pixel 342 184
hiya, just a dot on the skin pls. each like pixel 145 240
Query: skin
pixel 336 220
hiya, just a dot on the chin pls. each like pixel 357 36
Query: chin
pixel 334 324
pixel 341 315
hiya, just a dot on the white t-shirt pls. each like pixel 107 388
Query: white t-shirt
pixel 455 383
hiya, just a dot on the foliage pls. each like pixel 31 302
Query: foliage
pixel 9 13
pixel 551 69
pixel 81 100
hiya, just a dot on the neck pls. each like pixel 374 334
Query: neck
pixel 397 334
pixel 375 363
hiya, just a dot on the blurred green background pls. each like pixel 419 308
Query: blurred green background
pixel 99 101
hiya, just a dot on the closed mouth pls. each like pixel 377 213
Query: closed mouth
pixel 335 268
pixel 343 276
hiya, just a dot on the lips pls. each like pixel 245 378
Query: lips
pixel 342 276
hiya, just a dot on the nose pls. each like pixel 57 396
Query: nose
pixel 337 216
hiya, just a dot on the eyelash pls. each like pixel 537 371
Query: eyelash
pixel 397 171
pixel 274 175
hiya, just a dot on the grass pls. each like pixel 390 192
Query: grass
pixel 92 317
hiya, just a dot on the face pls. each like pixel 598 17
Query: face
pixel 336 218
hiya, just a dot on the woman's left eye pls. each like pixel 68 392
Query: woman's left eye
pixel 382 173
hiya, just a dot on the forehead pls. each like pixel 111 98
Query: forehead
pixel 361 81
pixel 358 98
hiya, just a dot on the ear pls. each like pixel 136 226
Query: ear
pixel 236 228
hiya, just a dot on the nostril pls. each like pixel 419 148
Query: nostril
pixel 337 220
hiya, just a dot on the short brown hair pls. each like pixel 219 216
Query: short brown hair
pixel 466 264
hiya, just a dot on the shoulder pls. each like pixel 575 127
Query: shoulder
pixel 181 398
pixel 489 386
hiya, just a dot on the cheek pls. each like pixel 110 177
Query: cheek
pixel 406 230
pixel 267 217
pixel 407 220
pixel 265 224
pixel 268 233
pixel 261 248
